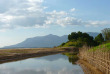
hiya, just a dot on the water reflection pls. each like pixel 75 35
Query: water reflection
pixel 72 57
pixel 53 57
pixel 53 64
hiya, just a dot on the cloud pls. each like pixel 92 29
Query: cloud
pixel 97 23
pixel 32 14
pixel 22 13
pixel 69 21
pixel 5 70
pixel 72 10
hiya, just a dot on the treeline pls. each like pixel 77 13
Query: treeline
pixel 106 33
pixel 78 39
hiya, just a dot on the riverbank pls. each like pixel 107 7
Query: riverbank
pixel 98 57
pixel 9 55
pixel 88 68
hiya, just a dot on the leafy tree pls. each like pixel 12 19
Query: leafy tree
pixel 99 39
pixel 81 38
pixel 79 34
pixel 106 33
pixel 72 36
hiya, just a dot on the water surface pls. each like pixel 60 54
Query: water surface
pixel 52 64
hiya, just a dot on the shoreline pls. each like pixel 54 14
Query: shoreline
pixel 21 56
pixel 40 52
pixel 88 68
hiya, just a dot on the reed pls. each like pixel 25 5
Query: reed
pixel 97 57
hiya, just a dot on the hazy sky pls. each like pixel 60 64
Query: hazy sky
pixel 21 19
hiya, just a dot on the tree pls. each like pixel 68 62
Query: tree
pixel 106 33
pixel 72 36
pixel 81 38
pixel 99 39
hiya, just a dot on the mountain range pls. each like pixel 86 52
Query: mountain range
pixel 44 41
pixel 41 41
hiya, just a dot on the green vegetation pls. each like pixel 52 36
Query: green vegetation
pixel 78 39
pixel 106 33
pixel 103 47
pixel 99 39
pixel 72 44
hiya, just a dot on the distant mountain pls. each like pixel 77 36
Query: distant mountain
pixel 94 34
pixel 44 41
pixel 41 41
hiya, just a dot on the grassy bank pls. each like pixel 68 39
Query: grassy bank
pixel 97 56
pixel 104 47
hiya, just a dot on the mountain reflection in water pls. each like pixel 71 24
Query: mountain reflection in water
pixel 52 64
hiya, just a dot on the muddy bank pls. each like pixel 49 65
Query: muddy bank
pixel 88 68
pixel 13 55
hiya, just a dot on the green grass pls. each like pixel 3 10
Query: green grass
pixel 104 47
pixel 72 44
pixel 69 44
pixel 108 45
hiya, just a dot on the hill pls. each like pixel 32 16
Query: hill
pixel 44 41
pixel 41 41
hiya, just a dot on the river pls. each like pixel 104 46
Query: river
pixel 51 64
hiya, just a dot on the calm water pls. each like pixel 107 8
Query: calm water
pixel 53 64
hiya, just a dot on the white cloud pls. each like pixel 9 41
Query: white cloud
pixel 27 13
pixel 30 13
pixel 69 21
pixel 97 23
pixel 73 9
